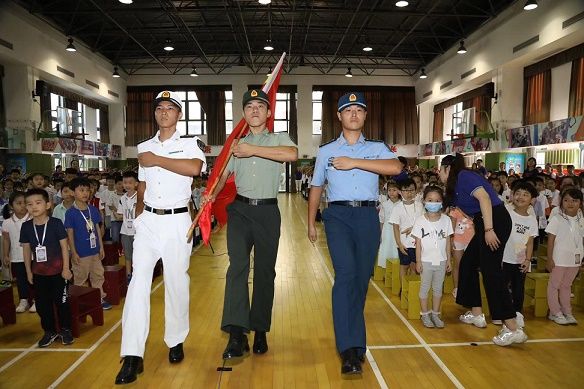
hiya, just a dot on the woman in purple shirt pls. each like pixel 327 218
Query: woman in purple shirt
pixel 473 194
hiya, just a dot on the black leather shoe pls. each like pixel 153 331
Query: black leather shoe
pixel 130 369
pixel 236 346
pixel 176 354
pixel 260 343
pixel 350 362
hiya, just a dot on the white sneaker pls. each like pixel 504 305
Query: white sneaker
pixel 32 309
pixel 570 319
pixel 507 337
pixel 426 320
pixel 22 306
pixel 437 320
pixel 476 320
pixel 519 319
pixel 497 322
pixel 558 318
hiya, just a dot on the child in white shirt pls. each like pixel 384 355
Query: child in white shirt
pixel 388 246
pixel 126 209
pixel 564 255
pixel 433 247
pixel 519 246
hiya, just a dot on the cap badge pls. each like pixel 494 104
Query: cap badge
pixel 166 94
pixel 254 93
pixel 352 98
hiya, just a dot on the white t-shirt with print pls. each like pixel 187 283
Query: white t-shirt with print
pixel 523 227
pixel 12 226
pixel 127 208
pixel 569 232
pixel 404 215
pixel 433 236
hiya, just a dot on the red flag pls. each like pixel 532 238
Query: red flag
pixel 227 195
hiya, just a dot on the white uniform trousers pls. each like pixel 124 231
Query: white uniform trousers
pixel 158 236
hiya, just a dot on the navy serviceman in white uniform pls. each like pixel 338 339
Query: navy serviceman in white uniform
pixel 167 166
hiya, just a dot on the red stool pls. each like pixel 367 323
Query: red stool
pixel 112 254
pixel 7 307
pixel 84 302
pixel 116 284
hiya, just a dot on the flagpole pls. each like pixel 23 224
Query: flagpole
pixel 213 187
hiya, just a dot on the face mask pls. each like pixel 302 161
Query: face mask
pixel 433 207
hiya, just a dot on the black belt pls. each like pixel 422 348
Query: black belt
pixel 256 201
pixel 166 211
pixel 355 203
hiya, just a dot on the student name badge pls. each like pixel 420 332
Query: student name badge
pixel 130 224
pixel 92 240
pixel 41 254
pixel 578 260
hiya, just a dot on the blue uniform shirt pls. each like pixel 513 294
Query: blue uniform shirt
pixel 468 182
pixel 354 184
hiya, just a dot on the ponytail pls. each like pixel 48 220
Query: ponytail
pixel 456 163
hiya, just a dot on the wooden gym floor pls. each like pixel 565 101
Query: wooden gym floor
pixel 302 349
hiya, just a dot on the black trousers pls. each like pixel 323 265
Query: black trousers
pixel 256 226
pixel 515 280
pixel 52 291
pixel 479 256
pixel 19 271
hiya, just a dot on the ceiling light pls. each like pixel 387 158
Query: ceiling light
pixel 268 46
pixel 531 4
pixel 115 73
pixel 126 1
pixel 367 48
pixel 423 73
pixel 349 74
pixel 461 48
pixel 401 4
pixel 194 73
pixel 71 46
pixel 168 45
pixel 264 2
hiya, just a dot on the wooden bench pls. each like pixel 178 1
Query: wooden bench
pixel 536 292
pixel 115 285
pixel 378 273
pixel 390 267
pixel 7 307
pixel 84 302
pixel 112 254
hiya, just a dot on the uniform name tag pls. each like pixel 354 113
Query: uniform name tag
pixel 175 152
pixel 92 241
pixel 41 254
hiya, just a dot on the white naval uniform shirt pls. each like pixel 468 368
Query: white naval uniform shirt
pixel 166 189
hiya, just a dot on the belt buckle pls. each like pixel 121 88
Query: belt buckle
pixel 354 203
pixel 253 201
pixel 159 211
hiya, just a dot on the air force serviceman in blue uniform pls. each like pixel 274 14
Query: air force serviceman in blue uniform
pixel 350 165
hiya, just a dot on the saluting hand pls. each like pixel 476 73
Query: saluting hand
pixel 243 150
pixel 344 163
pixel 148 159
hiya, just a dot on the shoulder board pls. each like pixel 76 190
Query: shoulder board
pixel 201 145
pixel 145 140
pixel 324 144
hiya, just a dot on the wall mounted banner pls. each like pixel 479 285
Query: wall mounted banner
pixel 78 146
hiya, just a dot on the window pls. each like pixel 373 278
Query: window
pixel 193 119
pixel 317 112
pixel 97 127
pixel 282 114
pixel 228 112
pixel 56 102
pixel 450 121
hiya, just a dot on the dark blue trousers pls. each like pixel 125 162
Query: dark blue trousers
pixel 352 235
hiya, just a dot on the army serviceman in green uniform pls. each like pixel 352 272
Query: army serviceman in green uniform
pixel 254 221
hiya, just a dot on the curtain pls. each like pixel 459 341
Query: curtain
pixel 104 126
pixel 213 103
pixel 537 95
pixel 140 122
pixel 576 104
pixel 392 114
pixel 438 128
